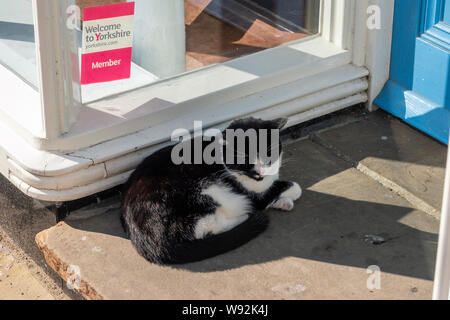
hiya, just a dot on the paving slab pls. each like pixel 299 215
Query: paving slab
pixel 320 250
pixel 395 151
pixel 16 282
pixel 20 219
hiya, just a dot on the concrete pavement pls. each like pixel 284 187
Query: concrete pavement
pixel 16 280
pixel 371 201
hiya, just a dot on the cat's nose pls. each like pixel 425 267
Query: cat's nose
pixel 259 170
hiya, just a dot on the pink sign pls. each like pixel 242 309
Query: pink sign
pixel 107 43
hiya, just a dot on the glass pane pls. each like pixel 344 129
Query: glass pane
pixel 178 36
pixel 220 30
pixel 17 48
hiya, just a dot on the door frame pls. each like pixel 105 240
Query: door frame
pixel 441 288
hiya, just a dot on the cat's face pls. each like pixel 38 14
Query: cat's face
pixel 260 155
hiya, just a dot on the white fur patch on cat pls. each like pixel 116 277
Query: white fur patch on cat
pixel 253 185
pixel 293 192
pixel 285 204
pixel 232 211
pixel 270 174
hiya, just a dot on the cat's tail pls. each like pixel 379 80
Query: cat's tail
pixel 214 245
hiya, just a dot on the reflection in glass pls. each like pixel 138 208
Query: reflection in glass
pixel 17 47
pixel 177 36
pixel 220 30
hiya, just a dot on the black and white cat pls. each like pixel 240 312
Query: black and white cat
pixel 189 212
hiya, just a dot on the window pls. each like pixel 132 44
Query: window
pixel 192 60
pixel 175 37
pixel 186 49
pixel 17 47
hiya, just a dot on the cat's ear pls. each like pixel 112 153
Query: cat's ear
pixel 280 123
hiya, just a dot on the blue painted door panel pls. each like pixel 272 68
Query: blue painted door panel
pixel 447 13
pixel 419 87
pixel 431 76
pixel 404 41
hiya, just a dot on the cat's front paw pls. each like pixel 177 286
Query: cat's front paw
pixel 294 192
pixel 285 204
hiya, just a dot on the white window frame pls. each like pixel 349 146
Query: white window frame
pixel 441 288
pixel 63 160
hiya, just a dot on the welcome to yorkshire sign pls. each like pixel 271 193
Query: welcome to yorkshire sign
pixel 107 42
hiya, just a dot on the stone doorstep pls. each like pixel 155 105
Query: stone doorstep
pixel 103 276
pixel 317 251
pixel 396 155
pixel 61 267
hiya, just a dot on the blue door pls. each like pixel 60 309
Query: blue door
pixel 419 87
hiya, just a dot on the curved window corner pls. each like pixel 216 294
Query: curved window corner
pixel 81 107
